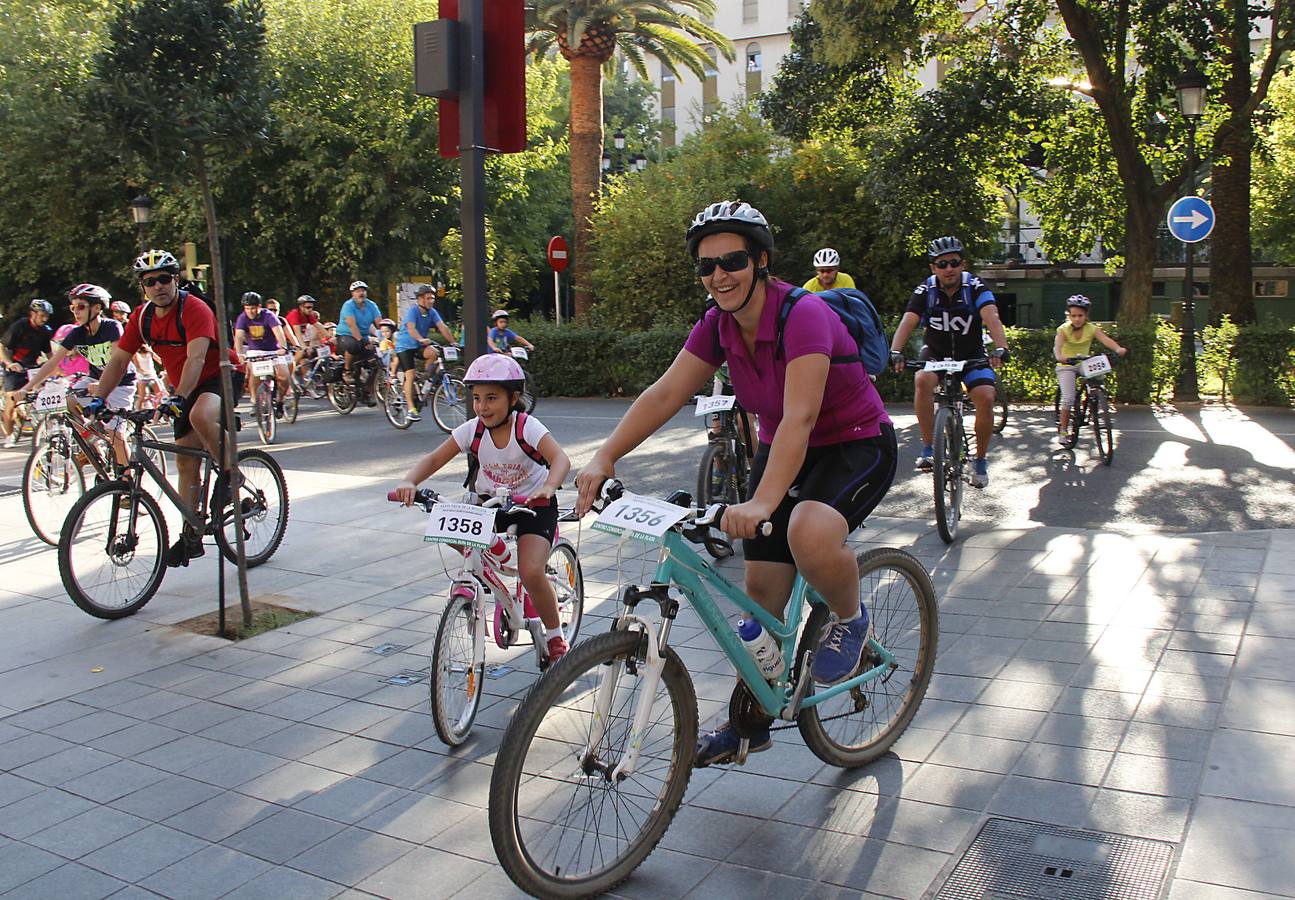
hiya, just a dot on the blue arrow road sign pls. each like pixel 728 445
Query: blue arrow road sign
pixel 1190 219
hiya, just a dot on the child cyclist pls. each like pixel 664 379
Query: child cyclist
pixel 516 451
pixel 1075 338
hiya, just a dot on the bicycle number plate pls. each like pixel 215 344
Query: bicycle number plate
pixel 943 365
pixel 714 404
pixel 1094 366
pixel 460 523
pixel 451 354
pixel 323 351
pixel 52 398
pixel 642 518
pixel 262 367
pixel 519 353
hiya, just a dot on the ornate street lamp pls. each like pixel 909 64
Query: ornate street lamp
pixel 141 210
pixel 619 139
pixel 1191 103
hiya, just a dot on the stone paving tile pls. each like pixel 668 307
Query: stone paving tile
pixel 729 880
pixel 29 748
pixel 64 765
pixel 70 882
pixel 136 739
pixel 297 740
pixel 1139 814
pixel 234 766
pixel 245 729
pixel 20 863
pixel 738 792
pixel 426 873
pixel 351 755
pixel 1240 844
pixel 824 808
pixel 141 854
pixel 114 780
pixel 39 811
pixel 351 800
pixel 281 837
pixel 211 872
pixel 285 884
pixel 417 818
pixel 1041 800
pixel 85 729
pixel 1076 765
pixel 167 797
pixel 221 816
pixel 289 782
pixel 1152 775
pixel 1251 766
pixel 49 715
pixel 352 855
pixel 112 695
pixel 154 705
pixel 87 832
pixel 1078 731
pixel 13 788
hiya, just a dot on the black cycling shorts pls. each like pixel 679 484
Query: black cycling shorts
pixel 182 425
pixel 544 522
pixel 14 380
pixel 409 359
pixel 353 346
pixel 851 478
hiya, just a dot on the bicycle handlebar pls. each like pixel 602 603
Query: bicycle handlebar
pixel 919 365
pixel 699 517
pixel 426 498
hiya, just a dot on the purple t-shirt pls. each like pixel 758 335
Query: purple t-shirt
pixel 851 410
pixel 259 331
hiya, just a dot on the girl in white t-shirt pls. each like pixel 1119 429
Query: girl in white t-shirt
pixel 516 451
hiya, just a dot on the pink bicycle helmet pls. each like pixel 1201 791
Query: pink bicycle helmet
pixel 495 368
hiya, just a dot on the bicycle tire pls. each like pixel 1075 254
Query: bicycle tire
pixel 520 801
pixel 1077 416
pixel 1102 432
pixel 947 469
pixel 530 399
pixel 342 396
pixel 96 516
pixel 1000 412
pixel 52 483
pixel 292 404
pixel 394 406
pixel 911 634
pixel 263 404
pixel 568 580
pixel 714 473
pixel 1056 407
pixel 452 656
pixel 448 408
pixel 264 495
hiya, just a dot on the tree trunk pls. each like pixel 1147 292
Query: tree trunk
pixel 586 155
pixel 230 463
pixel 1141 218
pixel 1230 252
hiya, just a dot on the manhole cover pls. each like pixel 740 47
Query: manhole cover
pixel 1027 860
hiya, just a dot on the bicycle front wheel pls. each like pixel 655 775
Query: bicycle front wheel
pixel 948 465
pixel 342 396
pixel 263 496
pixel 1000 411
pixel 263 403
pixel 292 404
pixel 857 726
pixel 1100 410
pixel 564 573
pixel 447 404
pixel 561 825
pixel 456 682
pixel 394 405
pixel 112 552
pixel 52 483
pixel 530 399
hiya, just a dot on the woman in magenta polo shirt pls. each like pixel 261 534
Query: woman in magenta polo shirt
pixel 826 451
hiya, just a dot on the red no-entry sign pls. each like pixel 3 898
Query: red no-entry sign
pixel 558 256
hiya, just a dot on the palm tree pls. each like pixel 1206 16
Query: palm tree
pixel 587 33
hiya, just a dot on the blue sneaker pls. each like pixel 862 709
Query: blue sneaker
pixel 980 472
pixel 841 648
pixel 926 462
pixel 721 745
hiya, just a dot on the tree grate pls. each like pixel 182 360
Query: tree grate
pixel 1030 861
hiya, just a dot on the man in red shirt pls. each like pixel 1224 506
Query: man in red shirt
pixel 182 331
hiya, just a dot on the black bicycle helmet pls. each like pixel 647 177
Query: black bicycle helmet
pixel 252 298
pixel 943 245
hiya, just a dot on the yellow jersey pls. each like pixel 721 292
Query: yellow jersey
pixel 1076 345
pixel 842 281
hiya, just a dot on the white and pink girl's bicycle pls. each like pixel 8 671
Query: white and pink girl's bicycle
pixel 459 652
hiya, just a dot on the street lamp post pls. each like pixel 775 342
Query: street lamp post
pixel 615 163
pixel 1191 103
pixel 141 210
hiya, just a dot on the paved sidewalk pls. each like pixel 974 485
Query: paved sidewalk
pixel 1134 684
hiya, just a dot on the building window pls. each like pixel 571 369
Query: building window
pixel 754 70
pixel 710 86
pixel 668 127
pixel 750 11
pixel 1271 288
pixel 667 109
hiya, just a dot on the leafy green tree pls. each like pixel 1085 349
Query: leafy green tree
pixel 1275 173
pixel 587 34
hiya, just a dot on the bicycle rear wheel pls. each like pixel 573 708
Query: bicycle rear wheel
pixel 292 403
pixel 530 399
pixel 716 481
pixel 1100 410
pixel 342 396
pixel 52 483
pixel 560 824
pixel 264 498
pixel 948 466
pixel 112 552
pixel 263 404
pixel 1000 411
pixel 394 405
pixel 859 725
pixel 564 573
pixel 456 682
pixel 447 404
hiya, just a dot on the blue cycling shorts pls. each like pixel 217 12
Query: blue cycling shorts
pixel 976 377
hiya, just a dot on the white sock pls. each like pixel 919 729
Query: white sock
pixel 551 633
pixel 853 617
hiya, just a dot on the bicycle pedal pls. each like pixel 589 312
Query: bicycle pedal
pixel 743 750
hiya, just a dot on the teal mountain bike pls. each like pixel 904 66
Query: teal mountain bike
pixel 596 759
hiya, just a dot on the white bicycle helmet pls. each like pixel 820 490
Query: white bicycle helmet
pixel 733 216
pixel 827 258
pixel 499 313
pixel 155 260
pixel 1078 300
pixel 120 306
pixel 91 292
pixel 357 284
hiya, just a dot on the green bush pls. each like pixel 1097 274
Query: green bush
pixel 591 360
pixel 1265 358
pixel 1146 374
pixel 1217 357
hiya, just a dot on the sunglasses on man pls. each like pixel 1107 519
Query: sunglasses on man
pixel 948 263
pixel 164 278
pixel 734 261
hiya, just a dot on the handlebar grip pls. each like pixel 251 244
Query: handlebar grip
pixel 393 496
pixel 765 528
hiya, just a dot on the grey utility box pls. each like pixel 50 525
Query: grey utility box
pixel 436 59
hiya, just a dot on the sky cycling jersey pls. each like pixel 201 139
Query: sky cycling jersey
pixel 953 325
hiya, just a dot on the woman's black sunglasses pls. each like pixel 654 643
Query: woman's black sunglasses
pixel 735 261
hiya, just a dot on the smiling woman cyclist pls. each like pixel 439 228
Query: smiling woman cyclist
pixel 826 452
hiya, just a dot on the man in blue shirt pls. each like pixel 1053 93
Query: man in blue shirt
pixel 413 340
pixel 356 324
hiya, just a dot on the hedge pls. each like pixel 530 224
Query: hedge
pixel 583 360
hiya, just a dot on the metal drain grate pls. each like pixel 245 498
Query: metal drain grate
pixel 1045 862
